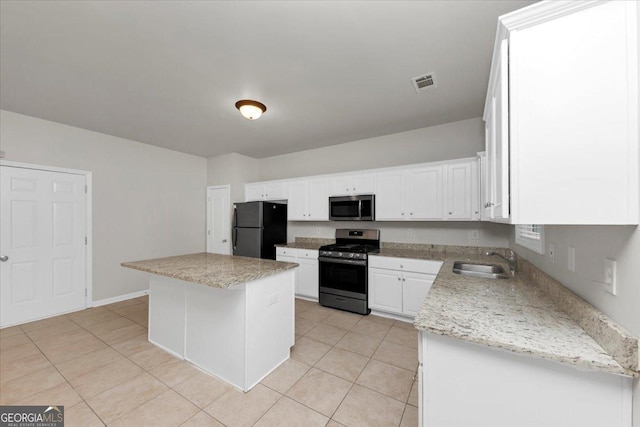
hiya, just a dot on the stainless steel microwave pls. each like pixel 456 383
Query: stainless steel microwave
pixel 352 208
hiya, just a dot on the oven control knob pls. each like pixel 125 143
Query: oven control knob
pixel 351 255
pixel 339 255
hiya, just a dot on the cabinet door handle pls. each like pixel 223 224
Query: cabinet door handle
pixel 402 213
pixel 450 213
pixel 399 279
pixel 400 265
pixel 403 279
pixel 410 213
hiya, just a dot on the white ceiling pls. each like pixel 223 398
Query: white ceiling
pixel 169 73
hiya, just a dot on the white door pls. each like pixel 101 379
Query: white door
pixel 43 227
pixel 219 220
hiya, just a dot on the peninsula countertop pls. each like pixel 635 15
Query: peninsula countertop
pixel 217 271
pixel 510 314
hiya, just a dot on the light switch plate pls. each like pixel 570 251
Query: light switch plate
pixel 610 276
pixel 571 259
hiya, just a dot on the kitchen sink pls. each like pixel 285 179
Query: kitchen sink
pixel 486 271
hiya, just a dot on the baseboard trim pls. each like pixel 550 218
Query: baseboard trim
pixel 119 298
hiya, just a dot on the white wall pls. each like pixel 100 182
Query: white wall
pixel 443 142
pixel 147 201
pixel 233 169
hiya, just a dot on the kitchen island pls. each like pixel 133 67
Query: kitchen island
pixel 230 316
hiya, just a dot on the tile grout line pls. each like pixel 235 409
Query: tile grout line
pixel 82 399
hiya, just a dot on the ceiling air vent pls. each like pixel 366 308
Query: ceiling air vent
pixel 425 82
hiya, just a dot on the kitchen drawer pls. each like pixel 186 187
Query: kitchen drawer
pixel 308 253
pixel 405 264
pixel 286 251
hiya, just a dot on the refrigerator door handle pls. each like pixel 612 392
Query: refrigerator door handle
pixel 235 237
pixel 235 216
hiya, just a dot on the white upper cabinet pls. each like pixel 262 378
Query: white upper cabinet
pixel 562 144
pixel 497 139
pixel 390 196
pixel 266 191
pixel 446 191
pixel 308 200
pixel 346 185
pixel 423 193
pixel 462 191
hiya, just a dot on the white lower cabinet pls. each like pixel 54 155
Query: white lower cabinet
pixel 307 273
pixel 504 389
pixel 385 290
pixel 399 285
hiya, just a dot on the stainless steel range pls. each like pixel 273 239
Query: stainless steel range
pixel 343 270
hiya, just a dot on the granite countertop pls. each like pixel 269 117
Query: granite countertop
pixel 217 271
pixel 510 314
pixel 302 245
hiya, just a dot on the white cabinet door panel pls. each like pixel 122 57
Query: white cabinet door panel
pixel 276 191
pixel 363 184
pixel 297 204
pixel 459 191
pixel 424 193
pixel 385 290
pixel 390 196
pixel 253 192
pixel 318 200
pixel 307 280
pixel 415 287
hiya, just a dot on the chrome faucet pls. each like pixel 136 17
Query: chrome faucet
pixel 511 260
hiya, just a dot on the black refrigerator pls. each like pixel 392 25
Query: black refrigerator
pixel 257 227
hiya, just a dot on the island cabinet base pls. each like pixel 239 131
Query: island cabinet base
pixel 239 334
pixel 465 384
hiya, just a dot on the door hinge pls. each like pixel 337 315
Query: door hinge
pixel 86 292
pixel 86 190
pixel 85 240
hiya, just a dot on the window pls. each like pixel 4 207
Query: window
pixel 531 236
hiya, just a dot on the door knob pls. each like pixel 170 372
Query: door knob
pixel 4 258
pixel 224 241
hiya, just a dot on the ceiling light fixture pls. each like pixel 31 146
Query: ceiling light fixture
pixel 252 110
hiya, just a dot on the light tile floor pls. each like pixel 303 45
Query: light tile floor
pixel 345 369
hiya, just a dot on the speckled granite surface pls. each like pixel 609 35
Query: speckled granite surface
pixel 218 271
pixel 618 341
pixel 311 243
pixel 510 314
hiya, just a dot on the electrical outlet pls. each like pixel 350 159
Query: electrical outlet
pixel 474 234
pixel 552 253
pixel 571 259
pixel 409 232
pixel 318 230
pixel 610 276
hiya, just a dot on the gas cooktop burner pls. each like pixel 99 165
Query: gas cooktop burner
pixel 352 244
pixel 350 248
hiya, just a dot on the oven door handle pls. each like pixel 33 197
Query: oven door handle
pixel 360 262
